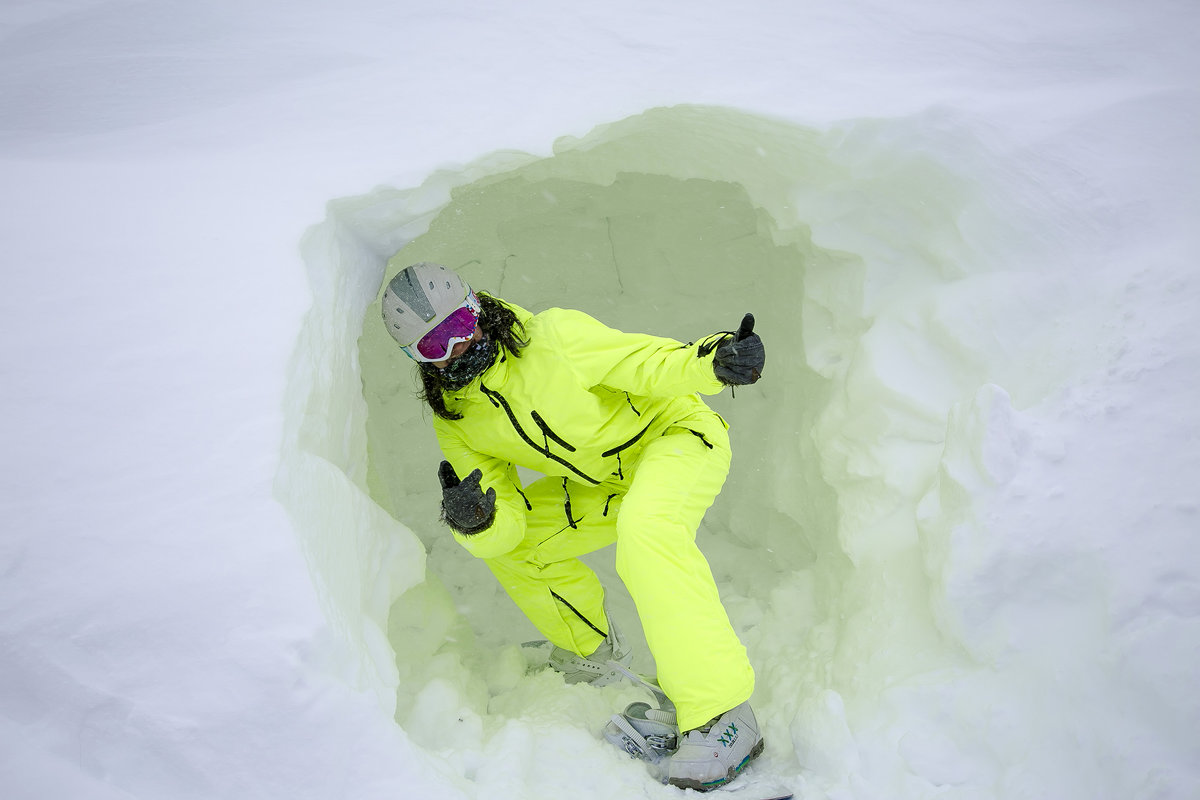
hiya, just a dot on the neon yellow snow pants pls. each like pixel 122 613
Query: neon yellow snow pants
pixel 652 513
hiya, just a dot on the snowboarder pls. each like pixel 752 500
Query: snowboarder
pixel 630 454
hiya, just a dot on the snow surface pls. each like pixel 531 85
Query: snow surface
pixel 958 537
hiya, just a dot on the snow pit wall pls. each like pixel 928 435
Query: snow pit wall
pixel 894 293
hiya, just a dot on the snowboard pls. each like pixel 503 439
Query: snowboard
pixel 750 785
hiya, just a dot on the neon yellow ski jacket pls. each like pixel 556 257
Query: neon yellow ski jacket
pixel 579 396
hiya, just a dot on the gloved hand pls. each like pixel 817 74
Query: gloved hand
pixel 740 360
pixel 465 507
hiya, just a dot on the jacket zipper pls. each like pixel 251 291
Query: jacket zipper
pixel 499 402
pixel 616 451
pixel 549 434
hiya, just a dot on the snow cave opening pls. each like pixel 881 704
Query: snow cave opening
pixel 861 250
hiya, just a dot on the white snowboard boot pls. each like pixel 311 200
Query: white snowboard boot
pixel 716 753
pixel 594 669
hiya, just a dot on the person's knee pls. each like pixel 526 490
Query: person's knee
pixel 650 543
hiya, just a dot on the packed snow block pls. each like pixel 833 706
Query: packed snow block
pixel 982 444
pixel 822 739
pixel 1016 592
pixel 360 557
pixel 1003 592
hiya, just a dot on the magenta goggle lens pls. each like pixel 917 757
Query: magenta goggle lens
pixel 458 327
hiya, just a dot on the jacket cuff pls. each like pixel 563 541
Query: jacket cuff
pixel 480 528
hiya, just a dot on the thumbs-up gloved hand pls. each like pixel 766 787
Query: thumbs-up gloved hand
pixel 739 360
pixel 465 507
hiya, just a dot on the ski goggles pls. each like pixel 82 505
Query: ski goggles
pixel 459 326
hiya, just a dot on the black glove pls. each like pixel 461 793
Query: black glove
pixel 465 507
pixel 740 360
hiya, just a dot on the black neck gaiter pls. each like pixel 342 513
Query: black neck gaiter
pixel 470 365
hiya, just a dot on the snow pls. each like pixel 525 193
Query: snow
pixel 958 536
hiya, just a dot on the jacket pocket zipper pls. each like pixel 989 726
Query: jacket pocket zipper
pixel 499 401
pixel 541 423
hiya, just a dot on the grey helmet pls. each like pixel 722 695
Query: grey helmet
pixel 418 298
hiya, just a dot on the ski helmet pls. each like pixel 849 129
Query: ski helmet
pixel 421 297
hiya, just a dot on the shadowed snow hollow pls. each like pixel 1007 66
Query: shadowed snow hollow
pixel 909 315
